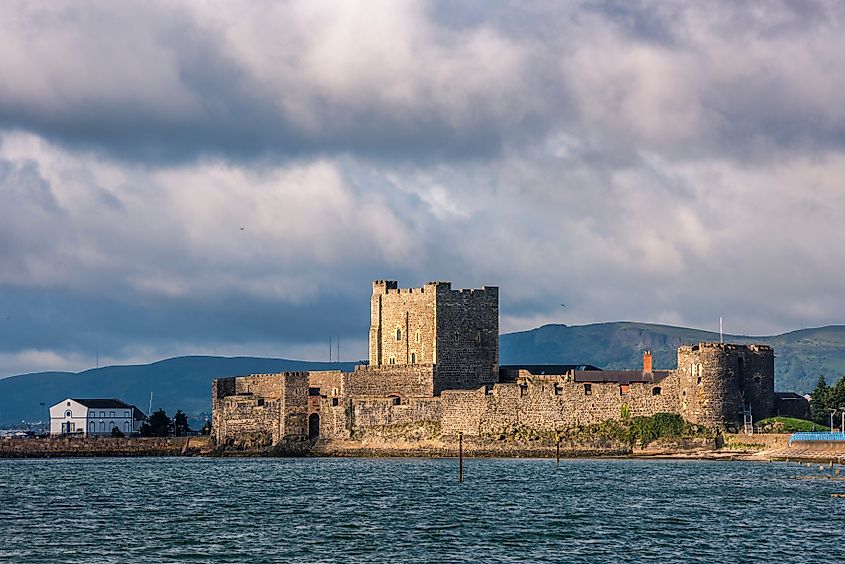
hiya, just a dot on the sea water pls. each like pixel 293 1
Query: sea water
pixel 101 510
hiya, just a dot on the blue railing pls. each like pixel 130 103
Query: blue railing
pixel 816 436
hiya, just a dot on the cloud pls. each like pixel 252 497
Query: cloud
pixel 634 160
pixel 402 80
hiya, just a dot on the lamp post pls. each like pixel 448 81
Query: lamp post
pixel 832 412
pixel 842 427
pixel 43 409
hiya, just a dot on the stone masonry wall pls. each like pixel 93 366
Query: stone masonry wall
pixel 249 421
pixel 330 382
pixel 455 330
pixel 294 422
pixel 756 375
pixel 467 338
pixel 402 324
pixel 403 381
pixel 380 412
pixel 551 405
pixel 220 388
pixel 260 409
pixel 377 417
pixel 335 420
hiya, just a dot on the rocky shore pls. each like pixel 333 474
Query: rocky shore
pixel 723 447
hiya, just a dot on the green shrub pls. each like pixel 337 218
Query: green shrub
pixel 788 425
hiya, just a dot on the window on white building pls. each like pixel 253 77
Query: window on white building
pixel 68 413
pixel 126 414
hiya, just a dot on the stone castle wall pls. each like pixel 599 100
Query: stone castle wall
pixel 550 405
pixel 543 406
pixel 403 381
pixel 402 324
pixel 329 382
pixel 467 338
pixel 260 409
pixel 380 417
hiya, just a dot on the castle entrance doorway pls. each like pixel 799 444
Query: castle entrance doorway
pixel 313 426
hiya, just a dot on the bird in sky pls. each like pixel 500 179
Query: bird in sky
pixel 562 305
pixel 242 228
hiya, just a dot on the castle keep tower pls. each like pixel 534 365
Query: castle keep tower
pixel 719 381
pixel 456 331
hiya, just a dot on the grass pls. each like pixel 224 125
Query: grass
pixel 788 425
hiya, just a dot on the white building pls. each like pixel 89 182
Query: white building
pixel 94 417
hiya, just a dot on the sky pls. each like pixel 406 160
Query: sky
pixel 229 177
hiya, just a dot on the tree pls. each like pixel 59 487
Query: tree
pixel 819 401
pixel 157 425
pixel 180 423
pixel 826 398
pixel 117 433
pixel 836 395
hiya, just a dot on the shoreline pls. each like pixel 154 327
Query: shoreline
pixel 760 448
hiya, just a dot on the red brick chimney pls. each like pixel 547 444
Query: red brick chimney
pixel 647 361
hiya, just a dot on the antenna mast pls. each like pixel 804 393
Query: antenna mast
pixel 721 335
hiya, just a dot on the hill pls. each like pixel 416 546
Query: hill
pixel 176 383
pixel 800 356
pixel 185 382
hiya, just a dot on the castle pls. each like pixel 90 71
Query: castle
pixel 434 368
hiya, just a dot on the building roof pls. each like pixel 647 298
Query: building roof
pixel 620 376
pixel 101 403
pixel 548 369
pixel 789 396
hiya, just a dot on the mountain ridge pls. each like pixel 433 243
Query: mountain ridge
pixel 184 382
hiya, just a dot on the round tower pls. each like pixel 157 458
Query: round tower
pixel 724 385
pixel 709 392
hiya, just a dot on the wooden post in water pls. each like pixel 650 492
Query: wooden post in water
pixel 558 452
pixel 460 457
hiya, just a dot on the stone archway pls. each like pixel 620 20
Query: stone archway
pixel 313 426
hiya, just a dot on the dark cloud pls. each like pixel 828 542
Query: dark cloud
pixel 167 83
pixel 635 160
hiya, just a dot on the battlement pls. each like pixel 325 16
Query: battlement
pixel 725 347
pixel 384 287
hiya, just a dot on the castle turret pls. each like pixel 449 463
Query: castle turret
pixel 719 382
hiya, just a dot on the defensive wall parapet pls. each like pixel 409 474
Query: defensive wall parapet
pixel 552 405
pixel 403 381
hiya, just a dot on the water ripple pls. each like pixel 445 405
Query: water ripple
pixel 373 510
